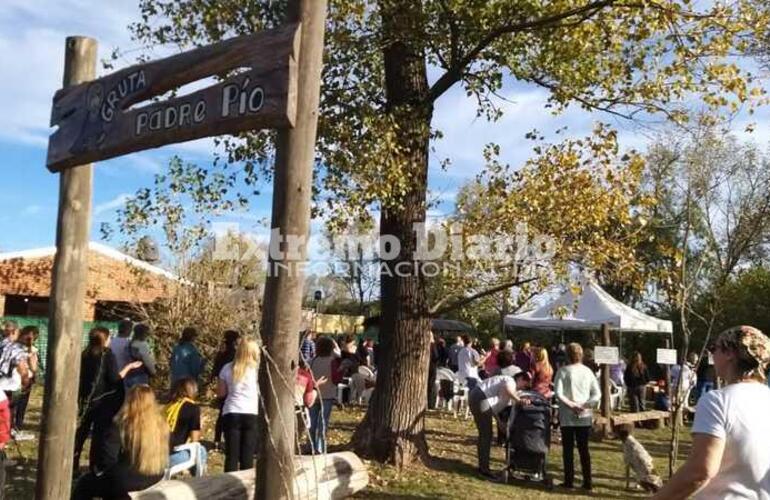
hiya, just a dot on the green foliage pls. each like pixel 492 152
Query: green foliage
pixel 213 294
pixel 715 191
pixel 581 199
pixel 625 57
pixel 742 301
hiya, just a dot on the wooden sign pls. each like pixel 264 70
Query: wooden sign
pixel 604 355
pixel 666 356
pixel 259 87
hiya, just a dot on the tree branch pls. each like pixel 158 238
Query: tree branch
pixel 454 73
pixel 439 308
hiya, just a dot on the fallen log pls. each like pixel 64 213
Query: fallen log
pixel 329 477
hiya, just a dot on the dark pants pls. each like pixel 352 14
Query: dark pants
pixel 569 436
pixel 2 474
pixel 11 405
pixel 220 421
pixel 81 434
pixel 96 422
pixel 432 389
pixel 20 409
pixel 636 397
pixel 483 417
pixel 240 441
pixel 471 383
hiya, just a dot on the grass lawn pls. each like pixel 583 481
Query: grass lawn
pixel 451 475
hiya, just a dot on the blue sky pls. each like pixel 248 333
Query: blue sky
pixel 32 34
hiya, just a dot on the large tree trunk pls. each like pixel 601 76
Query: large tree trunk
pixel 393 429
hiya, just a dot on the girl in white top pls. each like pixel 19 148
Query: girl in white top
pixel 238 385
pixel 730 457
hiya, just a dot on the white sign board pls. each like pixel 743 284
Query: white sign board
pixel 666 356
pixel 606 355
pixel 711 359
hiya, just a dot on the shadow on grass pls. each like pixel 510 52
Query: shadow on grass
pixel 399 496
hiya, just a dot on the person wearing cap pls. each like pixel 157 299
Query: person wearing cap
pixel 730 456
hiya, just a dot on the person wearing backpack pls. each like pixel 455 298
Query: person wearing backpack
pixel 139 350
pixel 15 374
pixel 101 393
pixel 27 339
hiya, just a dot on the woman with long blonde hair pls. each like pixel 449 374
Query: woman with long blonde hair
pixel 542 373
pixel 134 454
pixel 238 386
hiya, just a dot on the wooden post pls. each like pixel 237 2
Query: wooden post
pixel 668 375
pixel 68 288
pixel 606 400
pixel 284 285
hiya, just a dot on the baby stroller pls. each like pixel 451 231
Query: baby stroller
pixel 528 441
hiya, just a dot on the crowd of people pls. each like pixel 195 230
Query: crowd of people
pixel 135 440
pixel 728 459
pixel 324 363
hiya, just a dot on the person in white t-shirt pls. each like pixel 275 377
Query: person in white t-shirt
pixel 239 387
pixel 730 457
pixel 468 363
pixel 487 399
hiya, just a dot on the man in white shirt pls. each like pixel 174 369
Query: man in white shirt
pixel 469 361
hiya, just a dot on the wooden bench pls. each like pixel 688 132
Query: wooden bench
pixel 330 477
pixel 629 418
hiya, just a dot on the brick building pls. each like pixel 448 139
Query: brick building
pixel 115 282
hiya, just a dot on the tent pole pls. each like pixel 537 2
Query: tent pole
pixel 606 405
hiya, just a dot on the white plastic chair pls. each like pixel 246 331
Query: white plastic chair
pixel 461 398
pixel 616 395
pixel 345 384
pixel 445 374
pixel 358 390
pixel 188 464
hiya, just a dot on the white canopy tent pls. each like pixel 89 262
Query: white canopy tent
pixel 588 308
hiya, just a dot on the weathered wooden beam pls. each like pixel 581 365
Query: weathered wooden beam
pixel 284 285
pixel 335 476
pixel 627 418
pixel 96 120
pixel 68 289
